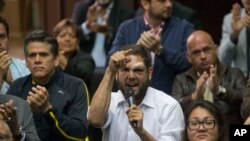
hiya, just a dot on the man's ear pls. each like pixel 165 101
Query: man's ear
pixel 145 4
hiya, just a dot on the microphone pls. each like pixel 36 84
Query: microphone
pixel 129 95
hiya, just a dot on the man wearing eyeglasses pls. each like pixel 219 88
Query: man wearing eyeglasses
pixel 209 79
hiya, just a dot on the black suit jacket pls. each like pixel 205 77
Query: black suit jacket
pixel 119 13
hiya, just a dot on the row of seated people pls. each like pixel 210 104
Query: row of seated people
pixel 59 101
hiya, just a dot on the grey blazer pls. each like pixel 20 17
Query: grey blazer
pixel 24 116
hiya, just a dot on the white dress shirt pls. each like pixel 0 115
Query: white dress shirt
pixel 163 118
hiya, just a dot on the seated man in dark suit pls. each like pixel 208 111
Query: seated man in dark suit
pixel 58 100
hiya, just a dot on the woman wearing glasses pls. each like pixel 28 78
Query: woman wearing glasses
pixel 204 122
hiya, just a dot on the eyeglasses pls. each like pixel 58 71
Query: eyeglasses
pixel 205 50
pixel 207 124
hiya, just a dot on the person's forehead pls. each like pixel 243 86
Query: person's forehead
pixel 200 112
pixel 135 60
pixel 2 28
pixel 200 44
pixel 38 46
pixel 66 29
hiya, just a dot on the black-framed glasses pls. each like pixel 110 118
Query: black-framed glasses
pixel 207 124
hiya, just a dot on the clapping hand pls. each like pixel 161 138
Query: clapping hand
pixel 8 113
pixel 151 40
pixel 38 99
pixel 94 12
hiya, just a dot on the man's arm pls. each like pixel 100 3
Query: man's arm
pixel 234 93
pixel 227 48
pixel 174 57
pixel 178 91
pixel 101 100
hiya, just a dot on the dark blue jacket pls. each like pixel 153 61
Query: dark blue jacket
pixel 172 60
pixel 68 96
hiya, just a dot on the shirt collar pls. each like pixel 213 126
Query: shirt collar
pixel 147 101
pixel 149 98
pixel 49 82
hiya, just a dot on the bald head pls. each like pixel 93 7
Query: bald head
pixel 197 37
pixel 201 51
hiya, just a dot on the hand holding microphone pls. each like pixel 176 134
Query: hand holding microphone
pixel 129 95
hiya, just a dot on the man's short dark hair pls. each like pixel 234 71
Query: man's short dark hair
pixel 6 25
pixel 44 37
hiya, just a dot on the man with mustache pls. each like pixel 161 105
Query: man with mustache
pixel 58 100
pixel 209 79
pixel 154 114
pixel 163 35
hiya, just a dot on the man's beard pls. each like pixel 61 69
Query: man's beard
pixel 142 92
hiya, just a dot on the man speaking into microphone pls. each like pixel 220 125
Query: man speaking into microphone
pixel 152 116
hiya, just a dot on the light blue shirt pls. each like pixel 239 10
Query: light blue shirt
pixel 163 118
pixel 18 69
pixel 234 55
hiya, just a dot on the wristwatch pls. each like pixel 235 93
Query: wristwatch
pixel 19 134
pixel 159 51
pixel 222 92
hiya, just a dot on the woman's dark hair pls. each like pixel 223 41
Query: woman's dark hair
pixel 212 109
pixel 43 37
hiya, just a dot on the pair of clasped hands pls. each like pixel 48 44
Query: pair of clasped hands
pixel 206 79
